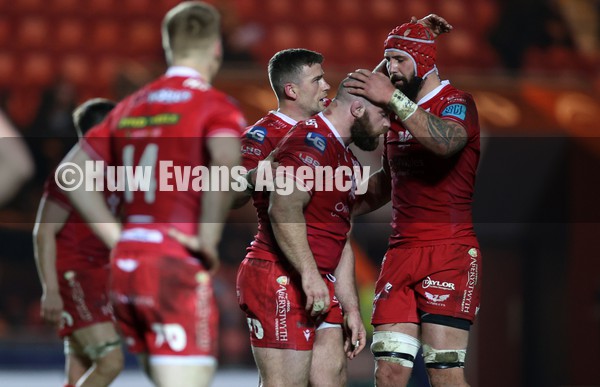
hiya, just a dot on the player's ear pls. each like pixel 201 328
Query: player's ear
pixel 290 91
pixel 357 108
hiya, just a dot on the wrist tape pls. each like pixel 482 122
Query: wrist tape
pixel 402 105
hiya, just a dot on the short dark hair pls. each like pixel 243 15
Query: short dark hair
pixel 285 66
pixel 91 113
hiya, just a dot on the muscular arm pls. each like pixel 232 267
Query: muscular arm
pixel 50 219
pixel 223 151
pixel 378 193
pixel 289 227
pixel 345 291
pixel 442 137
pixel 91 204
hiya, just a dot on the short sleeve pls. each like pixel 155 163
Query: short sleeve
pixel 257 144
pixel 226 120
pixel 97 142
pixel 460 108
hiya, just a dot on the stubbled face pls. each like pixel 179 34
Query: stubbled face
pixel 401 69
pixel 365 130
pixel 312 89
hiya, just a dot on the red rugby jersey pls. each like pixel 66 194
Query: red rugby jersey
pixel 431 195
pixel 316 143
pixel 258 141
pixel 77 247
pixel 167 121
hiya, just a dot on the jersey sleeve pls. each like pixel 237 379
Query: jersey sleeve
pixel 226 120
pixel 97 142
pixel 302 148
pixel 257 144
pixel 460 107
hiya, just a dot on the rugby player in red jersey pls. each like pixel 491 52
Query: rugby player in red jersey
pixel 297 78
pixel 428 291
pixel 74 270
pixel 287 284
pixel 161 264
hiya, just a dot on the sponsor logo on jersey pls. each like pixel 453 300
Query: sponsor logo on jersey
pixel 455 110
pixel 250 150
pixel 197 84
pixel 308 160
pixel 473 274
pixel 436 299
pixel 316 141
pixel 429 283
pixel 145 121
pixel 282 309
pixel 388 287
pixel 342 208
pixel 283 280
pixel 127 264
pixel 257 133
pixel 307 334
pixel 169 96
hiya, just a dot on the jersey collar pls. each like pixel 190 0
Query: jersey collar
pixel 433 92
pixel 284 117
pixel 183 71
pixel 333 129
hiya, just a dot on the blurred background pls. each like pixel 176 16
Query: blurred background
pixel 533 67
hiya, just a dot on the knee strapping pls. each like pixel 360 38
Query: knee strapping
pixel 72 348
pixel 97 351
pixel 444 358
pixel 395 347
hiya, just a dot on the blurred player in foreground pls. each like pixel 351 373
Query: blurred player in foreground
pixel 164 257
pixel 16 163
pixel 73 266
